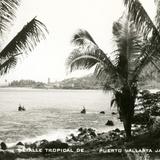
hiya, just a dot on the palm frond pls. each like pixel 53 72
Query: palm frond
pixel 145 61
pixel 151 35
pixel 116 29
pixel 7 64
pixel 108 76
pixel 88 49
pixel 128 46
pixel 7 13
pixel 148 73
pixel 99 71
pixel 79 60
pixel 82 37
pixel 113 101
pixel 25 40
pixel 85 59
pixel 92 52
pixel 142 20
pixel 157 17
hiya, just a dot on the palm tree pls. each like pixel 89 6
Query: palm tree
pixel 120 70
pixel 23 42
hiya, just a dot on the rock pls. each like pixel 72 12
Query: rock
pixel 92 132
pixel 135 125
pixel 3 146
pixel 56 144
pixel 80 129
pixel 43 143
pixel 85 131
pixel 117 130
pixel 83 111
pixel 85 135
pixel 121 136
pixel 86 138
pixel 145 92
pixel 113 113
pixel 73 137
pixel 141 118
pixel 109 123
pixel 19 144
pixel 38 144
pixel 155 127
pixel 20 147
pixel 102 112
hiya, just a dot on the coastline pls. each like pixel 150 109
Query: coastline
pixel 62 134
pixel 86 145
pixel 57 148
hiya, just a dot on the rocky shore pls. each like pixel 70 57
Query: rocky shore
pixel 87 143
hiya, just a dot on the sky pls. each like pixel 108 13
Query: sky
pixel 63 18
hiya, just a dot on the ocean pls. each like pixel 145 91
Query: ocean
pixel 52 114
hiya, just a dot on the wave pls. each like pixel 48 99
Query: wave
pixel 58 134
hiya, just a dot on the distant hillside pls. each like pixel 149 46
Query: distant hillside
pixel 87 82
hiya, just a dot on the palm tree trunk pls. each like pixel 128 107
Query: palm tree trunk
pixel 126 102
pixel 127 125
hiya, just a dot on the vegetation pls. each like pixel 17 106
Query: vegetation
pixel 87 82
pixel 27 83
pixel 133 55
pixel 23 42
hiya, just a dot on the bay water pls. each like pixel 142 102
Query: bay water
pixel 52 114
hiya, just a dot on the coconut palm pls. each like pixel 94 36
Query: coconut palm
pixel 120 69
pixel 23 42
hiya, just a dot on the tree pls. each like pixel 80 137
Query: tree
pixel 23 42
pixel 122 69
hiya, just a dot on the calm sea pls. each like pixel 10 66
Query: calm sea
pixel 51 114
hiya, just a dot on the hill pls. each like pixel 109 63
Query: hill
pixel 87 82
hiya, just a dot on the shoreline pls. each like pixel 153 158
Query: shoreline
pixel 86 145
pixel 58 148
pixel 61 134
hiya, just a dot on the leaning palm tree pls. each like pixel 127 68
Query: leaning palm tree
pixel 120 69
pixel 23 42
